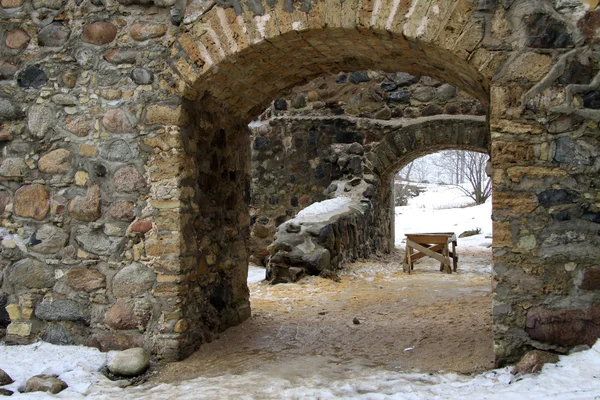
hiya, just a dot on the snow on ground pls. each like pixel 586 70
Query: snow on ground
pixel 575 377
pixel 444 208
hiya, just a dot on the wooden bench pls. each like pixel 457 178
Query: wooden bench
pixel 435 245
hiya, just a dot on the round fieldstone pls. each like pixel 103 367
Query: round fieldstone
pixel 431 109
pixel 99 33
pixel 40 119
pixel 85 279
pixel 445 93
pixel 55 162
pixel 141 226
pixel 121 56
pixel 141 32
pixel 48 239
pixel 57 334
pixel 299 101
pixel 399 96
pixel 62 310
pixel 13 168
pixel 8 111
pixel 119 121
pixel 128 179
pixel 86 208
pixel 130 362
pixel 54 35
pixel 121 316
pixel 5 379
pixel 11 3
pixel 133 280
pixel 359 77
pixel 122 211
pixel 31 274
pixel 117 150
pixel 142 76
pixel 98 243
pixel 80 126
pixel 404 79
pixel 32 201
pixel 280 104
pixel 7 69
pixel 17 39
pixel 424 93
pixel 32 77
pixel 45 383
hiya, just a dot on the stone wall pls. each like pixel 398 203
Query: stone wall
pixel 125 153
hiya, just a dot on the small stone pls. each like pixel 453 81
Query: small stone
pixel 31 274
pixel 429 81
pixel 81 178
pixel 6 392
pixel 32 77
pixel 119 121
pixel 142 76
pixel 121 56
pixel 57 334
pixel 85 279
pixel 280 104
pixel 55 162
pixel 141 226
pixel 384 114
pixel 591 99
pixel 5 199
pixel 341 78
pixel 299 101
pixel 80 126
pixel 359 77
pixel 45 383
pixel 128 179
pixel 48 239
pixel 12 3
pixel 86 150
pixel 133 280
pixel 165 115
pixel 554 197
pixel 51 4
pixel 121 316
pixel 312 96
pixel 404 79
pixel 293 228
pixel 400 96
pixel 7 69
pixel 86 208
pixel 545 31
pixel 141 32
pixel 356 321
pixel 445 93
pixel 534 361
pixel 98 243
pixel 62 310
pixel 40 119
pixel 431 109
pixel 130 362
pixel 32 201
pixel 54 35
pixel 122 211
pixel 13 168
pixel 8 111
pixel 69 78
pixel 424 94
pixel 5 379
pixel 17 39
pixel 99 33
pixel 117 150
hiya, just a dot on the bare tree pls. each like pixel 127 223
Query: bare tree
pixel 465 170
pixel 416 171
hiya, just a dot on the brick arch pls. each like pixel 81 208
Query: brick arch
pixel 243 56
pixel 427 135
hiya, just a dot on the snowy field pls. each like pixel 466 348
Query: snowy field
pixel 576 376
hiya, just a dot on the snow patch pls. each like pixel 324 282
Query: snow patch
pixel 323 210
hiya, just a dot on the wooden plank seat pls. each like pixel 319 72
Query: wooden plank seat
pixel 434 245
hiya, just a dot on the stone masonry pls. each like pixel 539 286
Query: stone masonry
pixel 125 166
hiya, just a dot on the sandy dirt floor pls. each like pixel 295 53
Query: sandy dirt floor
pixel 427 321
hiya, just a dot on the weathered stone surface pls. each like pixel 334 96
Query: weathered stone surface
pixel 119 121
pixel 115 341
pixel 121 316
pixel 400 96
pixel 17 39
pixel 7 69
pixel 545 31
pixel 445 93
pixel 32 77
pixel 48 239
pixel 62 310
pixel 57 334
pixel 51 4
pixel 85 279
pixel 554 197
pixel 12 3
pixel 591 99
pixel 130 362
pixel 32 201
pixel 564 327
pixel 142 76
pixel 359 77
pixel 55 162
pixel 40 119
pixel 122 211
pixel 5 379
pixel 5 199
pixel 132 281
pixel 54 35
pixel 45 383
pixel 86 208
pixel 121 56
pixel 575 151
pixel 31 274
pixel 98 243
pixel 13 168
pixel 99 33
pixel 8 110
pixel 141 226
pixel 590 279
pixel 158 114
pixel 117 150
pixel 128 179
pixel 534 361
pixel 141 32
pixel 424 93
pixel 80 126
